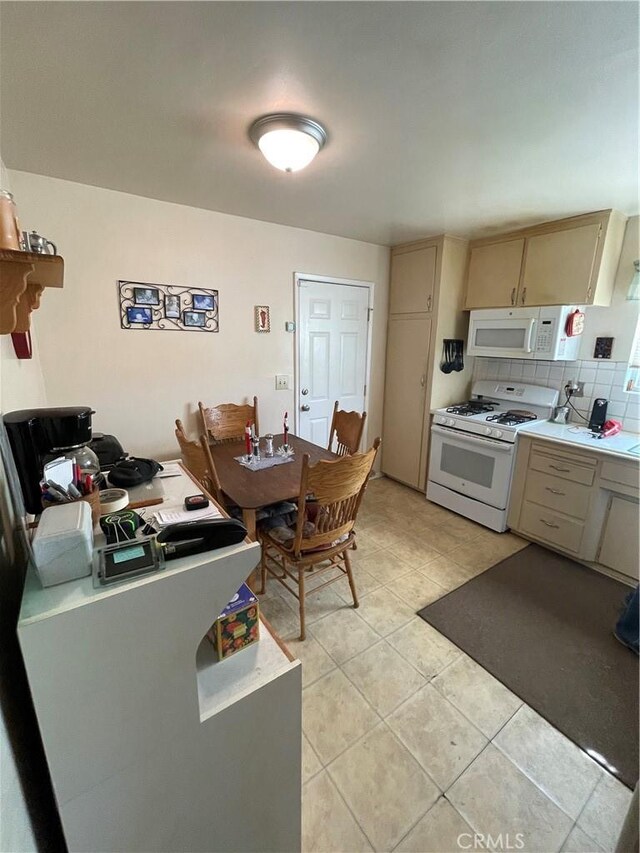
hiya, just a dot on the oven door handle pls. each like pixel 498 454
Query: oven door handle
pixel 471 438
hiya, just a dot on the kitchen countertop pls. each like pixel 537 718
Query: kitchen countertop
pixel 619 445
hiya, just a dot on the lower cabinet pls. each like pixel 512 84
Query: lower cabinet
pixel 619 543
pixel 582 503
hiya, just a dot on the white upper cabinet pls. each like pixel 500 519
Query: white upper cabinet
pixel 413 276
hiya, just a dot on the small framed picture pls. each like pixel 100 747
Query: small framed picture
pixel 203 301
pixel 194 318
pixel 139 315
pixel 146 296
pixel 172 307
pixel 263 321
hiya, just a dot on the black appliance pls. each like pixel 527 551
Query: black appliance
pixel 34 434
pixel 598 414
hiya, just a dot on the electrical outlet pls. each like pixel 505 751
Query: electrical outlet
pixel 575 388
pixel 282 382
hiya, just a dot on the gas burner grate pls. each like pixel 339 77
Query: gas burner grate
pixel 512 418
pixel 471 407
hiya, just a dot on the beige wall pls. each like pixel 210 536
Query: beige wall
pixel 619 320
pixel 140 381
pixel 22 382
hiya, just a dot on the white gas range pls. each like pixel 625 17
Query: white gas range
pixel 473 448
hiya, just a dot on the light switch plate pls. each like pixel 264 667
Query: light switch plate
pixel 289 326
pixel 282 382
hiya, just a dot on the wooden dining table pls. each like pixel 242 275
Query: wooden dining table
pixel 252 490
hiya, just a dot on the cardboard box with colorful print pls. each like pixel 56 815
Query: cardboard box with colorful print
pixel 238 626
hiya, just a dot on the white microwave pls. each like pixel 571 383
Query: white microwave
pixel 523 333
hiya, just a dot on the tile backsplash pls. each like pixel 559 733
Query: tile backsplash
pixel 601 379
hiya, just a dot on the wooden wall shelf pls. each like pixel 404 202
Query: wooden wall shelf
pixel 23 277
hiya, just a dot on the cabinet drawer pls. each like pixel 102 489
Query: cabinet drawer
pixel 555 493
pixel 563 468
pixel 547 525
pixel 618 472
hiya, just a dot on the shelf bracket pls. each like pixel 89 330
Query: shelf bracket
pixel 12 291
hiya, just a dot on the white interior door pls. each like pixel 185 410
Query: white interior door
pixel 332 354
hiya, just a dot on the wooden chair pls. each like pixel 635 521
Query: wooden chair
pixel 347 429
pixel 225 423
pixel 324 529
pixel 196 457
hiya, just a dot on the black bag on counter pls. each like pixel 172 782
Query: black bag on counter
pixel 108 450
pixel 133 472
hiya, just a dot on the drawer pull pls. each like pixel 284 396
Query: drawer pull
pixel 558 468
pixel 555 491
pixel 550 524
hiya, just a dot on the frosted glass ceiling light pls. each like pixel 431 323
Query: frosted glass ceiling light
pixel 288 141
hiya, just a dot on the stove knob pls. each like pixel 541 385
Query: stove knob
pixel 498 433
pixel 488 431
pixel 451 422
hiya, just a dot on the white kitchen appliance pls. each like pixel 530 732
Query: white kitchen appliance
pixel 523 333
pixel 473 448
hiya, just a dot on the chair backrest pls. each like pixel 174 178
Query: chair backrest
pixel 337 487
pixel 347 429
pixel 226 422
pixel 196 457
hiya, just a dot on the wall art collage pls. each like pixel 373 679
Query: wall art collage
pixel 167 307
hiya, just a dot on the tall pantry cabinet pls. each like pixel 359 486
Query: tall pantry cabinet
pixel 425 306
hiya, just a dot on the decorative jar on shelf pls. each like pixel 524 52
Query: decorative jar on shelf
pixel 9 227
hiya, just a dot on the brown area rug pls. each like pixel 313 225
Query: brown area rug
pixel 542 625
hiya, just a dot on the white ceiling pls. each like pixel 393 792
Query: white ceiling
pixel 457 117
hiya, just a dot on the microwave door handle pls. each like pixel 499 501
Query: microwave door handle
pixel 467 438
pixel 530 334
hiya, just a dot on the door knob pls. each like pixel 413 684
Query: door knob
pixel 305 408
pixel 305 391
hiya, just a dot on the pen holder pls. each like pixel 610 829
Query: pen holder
pixel 93 499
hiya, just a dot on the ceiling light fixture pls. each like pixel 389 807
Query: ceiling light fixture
pixel 288 141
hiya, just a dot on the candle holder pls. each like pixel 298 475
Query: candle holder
pixel 285 450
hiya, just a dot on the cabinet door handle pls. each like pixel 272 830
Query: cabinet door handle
pixel 429 301
pixel 423 379
pixel 558 468
pixel 524 295
pixel 550 524
pixel 513 296
pixel 555 491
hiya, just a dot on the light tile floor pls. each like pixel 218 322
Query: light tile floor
pixel 408 744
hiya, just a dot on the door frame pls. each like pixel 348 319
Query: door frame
pixel 330 279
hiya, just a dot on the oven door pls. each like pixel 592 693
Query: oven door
pixel 474 466
pixel 509 337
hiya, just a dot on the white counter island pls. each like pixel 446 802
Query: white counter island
pixel 152 744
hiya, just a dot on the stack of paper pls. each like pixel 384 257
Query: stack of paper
pixel 165 517
pixel 169 469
